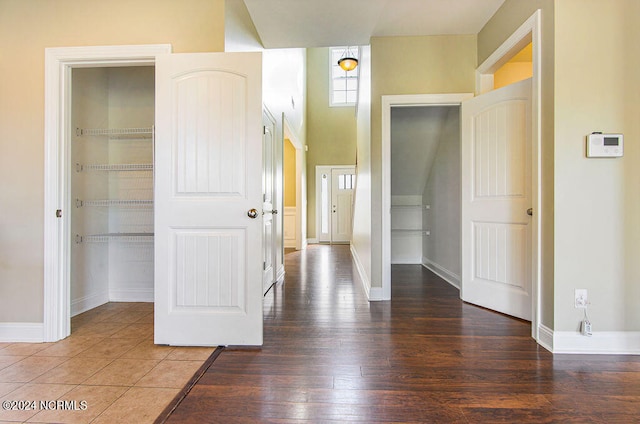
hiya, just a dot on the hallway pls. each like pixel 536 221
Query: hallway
pixel 331 356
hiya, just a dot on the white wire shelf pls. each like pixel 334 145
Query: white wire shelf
pixel 115 167
pixel 410 231
pixel 410 206
pixel 113 202
pixel 117 133
pixel 119 237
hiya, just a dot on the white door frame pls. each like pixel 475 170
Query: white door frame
pixel 301 192
pixel 530 31
pixel 389 102
pixel 57 133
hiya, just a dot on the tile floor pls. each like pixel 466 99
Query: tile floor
pixel 109 362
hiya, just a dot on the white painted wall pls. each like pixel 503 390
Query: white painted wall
pixel 441 249
pixel 100 272
pixel 131 105
pixel 89 263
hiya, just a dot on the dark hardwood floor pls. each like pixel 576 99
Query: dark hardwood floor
pixel 425 357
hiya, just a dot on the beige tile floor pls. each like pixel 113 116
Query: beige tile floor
pixel 109 362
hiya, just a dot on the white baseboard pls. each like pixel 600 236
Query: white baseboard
pixel 312 241
pixel 545 337
pixel 373 293
pixel 604 342
pixel 86 303
pixel 405 261
pixel 131 295
pixel 445 274
pixel 30 332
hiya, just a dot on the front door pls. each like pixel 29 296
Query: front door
pixel 343 181
pixel 496 197
pixel 208 194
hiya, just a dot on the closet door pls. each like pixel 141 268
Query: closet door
pixel 208 192
pixel 496 197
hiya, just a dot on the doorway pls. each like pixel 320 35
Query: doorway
pixel 59 63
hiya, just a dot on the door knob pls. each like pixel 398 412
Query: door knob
pixel 252 213
pixel 530 211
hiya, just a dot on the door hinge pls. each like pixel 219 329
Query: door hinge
pixel 264 266
pixel 58 213
pixel 264 129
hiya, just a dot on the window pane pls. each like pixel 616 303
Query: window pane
pixel 351 97
pixel 352 84
pixel 339 97
pixel 339 84
pixel 337 72
pixel 340 182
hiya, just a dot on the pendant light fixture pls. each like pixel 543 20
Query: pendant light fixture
pixel 348 62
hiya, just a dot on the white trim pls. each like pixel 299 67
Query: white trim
pixel 85 303
pixel 387 103
pixel 529 32
pixel 312 241
pixel 545 338
pixel 407 261
pixel 605 342
pixel 58 64
pixel 131 295
pixel 21 332
pixel 448 276
pixel 291 242
pixel 373 293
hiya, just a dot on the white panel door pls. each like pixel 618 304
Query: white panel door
pixel 343 182
pixel 208 176
pixel 268 204
pixel 496 195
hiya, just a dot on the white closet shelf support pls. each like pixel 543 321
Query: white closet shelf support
pixel 119 237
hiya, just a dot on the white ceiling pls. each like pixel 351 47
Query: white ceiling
pixel 322 23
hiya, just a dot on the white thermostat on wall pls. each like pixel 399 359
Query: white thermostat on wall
pixel 605 145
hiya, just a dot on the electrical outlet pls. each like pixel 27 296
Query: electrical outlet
pixel 581 298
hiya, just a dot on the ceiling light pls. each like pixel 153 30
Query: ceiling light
pixel 348 62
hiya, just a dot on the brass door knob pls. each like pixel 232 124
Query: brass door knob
pixel 252 213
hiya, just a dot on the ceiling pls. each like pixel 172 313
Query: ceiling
pixel 323 23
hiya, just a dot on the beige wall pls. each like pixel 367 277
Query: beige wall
pixel 26 28
pixel 506 20
pixel 597 206
pixel 331 131
pixel 411 65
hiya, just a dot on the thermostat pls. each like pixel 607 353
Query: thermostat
pixel 604 145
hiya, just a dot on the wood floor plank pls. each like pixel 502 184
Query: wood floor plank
pixel 331 356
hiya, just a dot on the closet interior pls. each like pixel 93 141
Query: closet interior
pixel 425 188
pixel 111 186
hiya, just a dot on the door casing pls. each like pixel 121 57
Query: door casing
pixel 59 62
pixel 326 169
pixel 529 31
